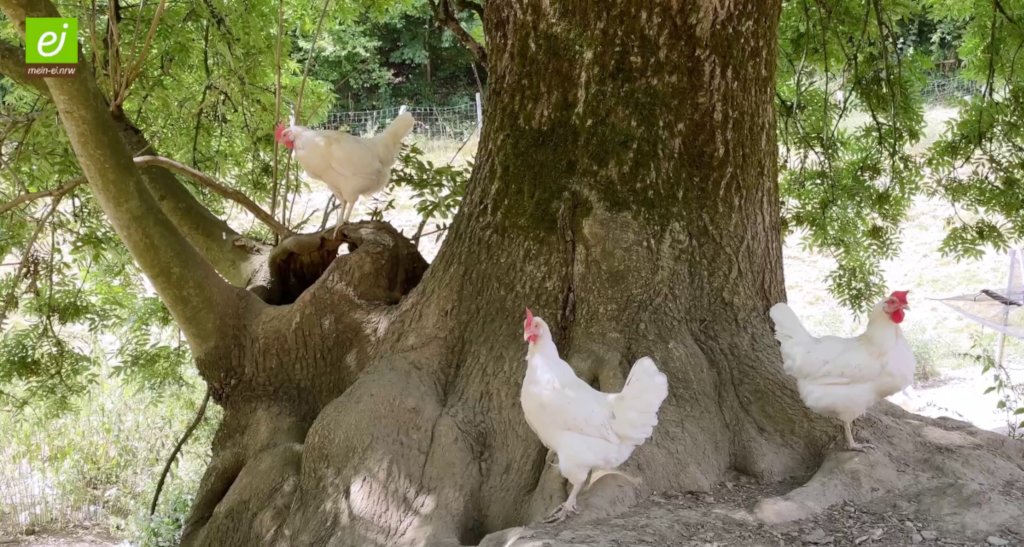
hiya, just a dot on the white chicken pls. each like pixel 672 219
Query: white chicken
pixel 350 166
pixel 843 377
pixel 589 430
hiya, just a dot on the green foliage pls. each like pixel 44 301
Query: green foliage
pixel 1009 390
pixel 403 58
pixel 106 459
pixel 978 167
pixel 437 189
pixel 206 97
pixel 849 107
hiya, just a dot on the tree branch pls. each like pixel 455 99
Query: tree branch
pixel 470 5
pixel 194 293
pixel 208 233
pixel 445 15
pixel 32 196
pixel 12 66
pixel 133 71
pixel 177 448
pixel 221 190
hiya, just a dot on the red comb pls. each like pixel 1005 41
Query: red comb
pixel 278 132
pixel 901 296
pixel 529 318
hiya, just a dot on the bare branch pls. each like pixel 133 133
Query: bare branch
pixel 309 62
pixel 445 15
pixel 210 235
pixel 133 71
pixel 32 196
pixel 221 190
pixel 177 448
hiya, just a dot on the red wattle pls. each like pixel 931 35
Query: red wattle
pixel 896 316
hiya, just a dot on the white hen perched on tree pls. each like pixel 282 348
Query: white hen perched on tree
pixel 843 377
pixel 350 166
pixel 588 429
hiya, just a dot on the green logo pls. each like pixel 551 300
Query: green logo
pixel 51 40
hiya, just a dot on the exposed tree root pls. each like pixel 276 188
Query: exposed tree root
pixel 967 479
pixel 960 483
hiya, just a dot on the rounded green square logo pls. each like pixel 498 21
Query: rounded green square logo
pixel 51 40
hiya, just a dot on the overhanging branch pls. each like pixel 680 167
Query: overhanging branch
pixel 221 190
pixel 446 15
pixel 208 233
pixel 211 236
pixel 32 196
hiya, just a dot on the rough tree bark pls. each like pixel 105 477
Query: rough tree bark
pixel 625 189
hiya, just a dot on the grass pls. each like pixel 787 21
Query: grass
pixel 100 464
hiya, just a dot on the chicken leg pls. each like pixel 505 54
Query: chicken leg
pixel 344 212
pixel 850 444
pixel 578 478
pixel 567 508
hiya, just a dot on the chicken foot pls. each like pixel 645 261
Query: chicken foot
pixel 569 507
pixel 851 444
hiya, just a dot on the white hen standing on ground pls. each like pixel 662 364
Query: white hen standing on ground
pixel 843 377
pixel 350 166
pixel 589 430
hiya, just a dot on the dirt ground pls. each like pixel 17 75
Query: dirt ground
pixel 80 537
pixel 719 518
pixel 723 517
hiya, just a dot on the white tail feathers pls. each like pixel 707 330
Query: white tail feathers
pixel 400 127
pixel 635 409
pixel 390 140
pixel 788 327
pixel 792 336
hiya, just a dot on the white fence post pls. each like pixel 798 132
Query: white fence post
pixel 479 112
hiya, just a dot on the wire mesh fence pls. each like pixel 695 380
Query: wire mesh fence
pixel 432 122
pixel 30 499
pixel 945 88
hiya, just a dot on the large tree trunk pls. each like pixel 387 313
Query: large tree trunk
pixel 625 191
